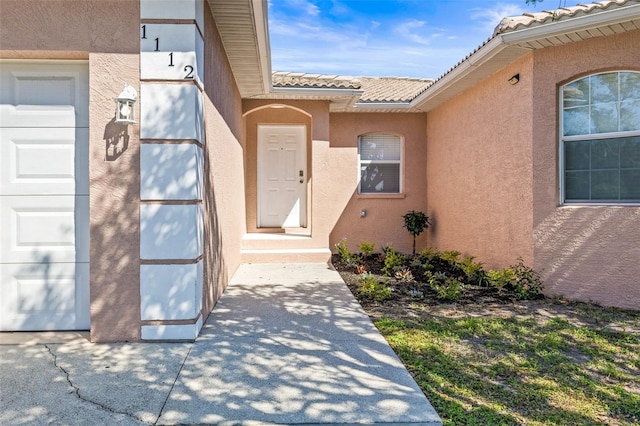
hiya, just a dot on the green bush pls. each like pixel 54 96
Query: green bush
pixel 519 278
pixel 447 288
pixel 393 261
pixel 500 278
pixel 367 248
pixel 428 254
pixel 373 289
pixel 450 256
pixel 473 270
pixel 343 251
pixel 526 283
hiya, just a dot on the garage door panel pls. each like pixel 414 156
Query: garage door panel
pixel 44 229
pixel 44 195
pixel 44 161
pixel 44 296
pixel 37 116
pixel 32 90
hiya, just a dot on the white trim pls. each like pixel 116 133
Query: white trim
pixel 383 105
pixel 400 162
pixel 259 9
pixel 572 24
pixel 311 91
pixel 562 140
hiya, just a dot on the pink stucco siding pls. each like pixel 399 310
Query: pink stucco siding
pixel 224 172
pixel 479 169
pixel 383 224
pixel 106 34
pixel 584 252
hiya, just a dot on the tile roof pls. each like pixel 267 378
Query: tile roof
pixel 546 16
pixel 313 81
pixel 374 89
pixel 392 89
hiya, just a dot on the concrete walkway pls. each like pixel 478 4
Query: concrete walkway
pixel 286 344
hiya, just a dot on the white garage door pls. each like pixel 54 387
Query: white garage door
pixel 44 196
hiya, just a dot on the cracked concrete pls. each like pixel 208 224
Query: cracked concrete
pixel 286 345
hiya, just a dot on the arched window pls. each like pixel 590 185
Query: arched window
pixel 600 139
pixel 380 163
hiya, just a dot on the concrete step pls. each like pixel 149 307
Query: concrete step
pixel 296 255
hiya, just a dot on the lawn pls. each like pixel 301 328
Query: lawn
pixel 491 359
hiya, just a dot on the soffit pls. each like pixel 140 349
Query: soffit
pixel 242 25
pixel 514 37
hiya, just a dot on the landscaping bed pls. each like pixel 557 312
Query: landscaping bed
pixel 485 352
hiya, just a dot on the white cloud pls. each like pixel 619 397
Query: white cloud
pixel 415 31
pixel 490 17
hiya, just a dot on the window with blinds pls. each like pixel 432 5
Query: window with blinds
pixel 380 163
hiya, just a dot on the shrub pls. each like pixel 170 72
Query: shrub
pixel 343 251
pixel 373 289
pixel 450 256
pixel 367 248
pixel 428 254
pixel 472 270
pixel 404 274
pixel 393 261
pixel 447 288
pixel 519 278
pixel 416 223
pixel 500 278
pixel 526 283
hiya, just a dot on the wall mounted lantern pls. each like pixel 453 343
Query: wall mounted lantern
pixel 125 112
pixel 514 80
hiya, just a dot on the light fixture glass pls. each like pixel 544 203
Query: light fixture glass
pixel 125 112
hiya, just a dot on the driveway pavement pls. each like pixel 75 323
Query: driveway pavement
pixel 286 344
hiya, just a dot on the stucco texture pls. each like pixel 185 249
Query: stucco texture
pixel 383 223
pixel 479 169
pixel 584 252
pixel 224 204
pixel 106 33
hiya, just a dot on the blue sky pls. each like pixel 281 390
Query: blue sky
pixel 399 38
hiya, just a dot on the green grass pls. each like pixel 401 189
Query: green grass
pixel 517 371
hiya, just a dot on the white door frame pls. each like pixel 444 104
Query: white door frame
pixel 296 176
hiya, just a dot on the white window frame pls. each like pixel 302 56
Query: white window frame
pixel 400 162
pixel 574 138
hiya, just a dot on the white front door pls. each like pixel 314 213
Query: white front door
pixel 282 176
pixel 44 196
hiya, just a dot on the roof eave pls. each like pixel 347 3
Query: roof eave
pixel 316 91
pixel 510 46
pixel 244 30
pixel 571 24
pixel 382 105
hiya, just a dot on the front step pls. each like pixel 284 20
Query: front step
pixel 285 256
pixel 282 247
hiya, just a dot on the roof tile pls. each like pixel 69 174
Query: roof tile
pixel 375 89
pixel 538 18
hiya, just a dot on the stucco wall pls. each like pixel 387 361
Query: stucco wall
pixel 105 32
pixel 383 223
pixel 584 252
pixel 224 172
pixel 479 169
pixel 333 173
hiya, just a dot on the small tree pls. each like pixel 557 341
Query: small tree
pixel 416 223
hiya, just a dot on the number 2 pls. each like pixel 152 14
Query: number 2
pixel 189 70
